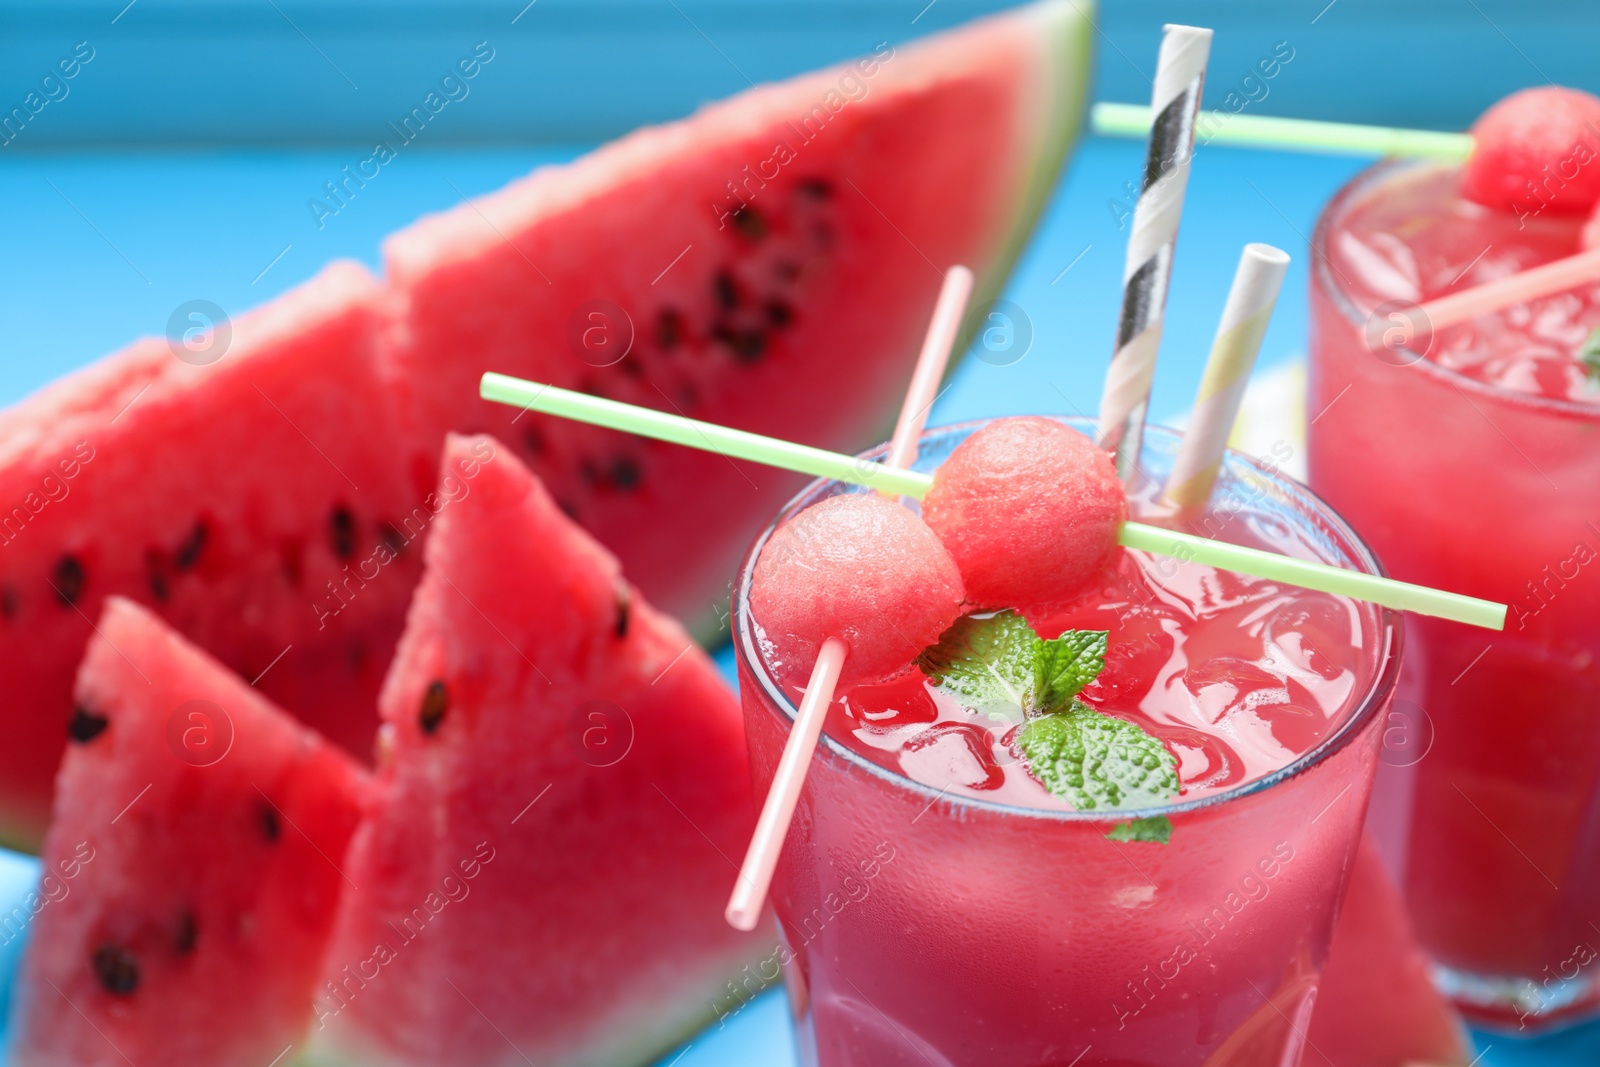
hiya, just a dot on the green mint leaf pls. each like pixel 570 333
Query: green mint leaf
pixel 1093 760
pixel 1156 830
pixel 988 663
pixel 1067 664
pixel 1589 355
pixel 996 665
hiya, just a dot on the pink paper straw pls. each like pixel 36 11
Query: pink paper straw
pixel 766 844
pixel 755 877
pixel 1518 288
pixel 925 379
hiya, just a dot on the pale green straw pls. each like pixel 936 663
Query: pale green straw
pixel 1300 135
pixel 738 444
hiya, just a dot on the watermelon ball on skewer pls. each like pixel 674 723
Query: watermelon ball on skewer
pixel 859 568
pixel 1030 510
pixel 1537 151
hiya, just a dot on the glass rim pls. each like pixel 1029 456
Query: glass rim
pixel 1379 691
pixel 1324 278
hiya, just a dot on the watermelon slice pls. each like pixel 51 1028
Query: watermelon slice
pixel 769 263
pixel 242 499
pixel 1376 1006
pixel 191 873
pixel 566 783
pixel 776 257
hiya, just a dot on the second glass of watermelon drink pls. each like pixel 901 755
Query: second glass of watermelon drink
pixel 938 905
pixel 1476 467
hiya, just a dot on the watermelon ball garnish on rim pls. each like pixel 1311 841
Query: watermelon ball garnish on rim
pixel 1029 509
pixel 859 568
pixel 1537 150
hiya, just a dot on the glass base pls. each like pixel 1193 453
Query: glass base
pixel 1519 1005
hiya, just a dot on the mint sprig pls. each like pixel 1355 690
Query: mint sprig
pixel 996 665
pixel 1093 760
pixel 1589 355
pixel 1067 664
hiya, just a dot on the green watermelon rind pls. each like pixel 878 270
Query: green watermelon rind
pixel 642 1049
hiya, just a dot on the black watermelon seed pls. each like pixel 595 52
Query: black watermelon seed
pixel 779 313
pixel 68 580
pixel 116 968
pixel 435 702
pixel 8 602
pixel 533 440
pixel 624 609
pixel 625 473
pixel 267 817
pixel 393 539
pixel 669 329
pixel 291 555
pixel 342 531
pixel 631 367
pixel 815 188
pixel 746 345
pixel 751 226
pixel 188 553
pixel 726 290
pixel 188 933
pixel 155 568
pixel 85 725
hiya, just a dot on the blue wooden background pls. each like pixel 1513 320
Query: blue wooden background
pixel 177 164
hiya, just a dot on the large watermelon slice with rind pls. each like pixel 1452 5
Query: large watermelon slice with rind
pixel 242 497
pixel 1377 1006
pixel 566 785
pixel 769 263
pixel 269 503
pixel 192 871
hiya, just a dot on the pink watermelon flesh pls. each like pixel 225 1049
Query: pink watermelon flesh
pixel 1030 510
pixel 860 568
pixel 566 780
pixel 225 497
pixel 1376 1006
pixel 774 260
pixel 228 497
pixel 190 898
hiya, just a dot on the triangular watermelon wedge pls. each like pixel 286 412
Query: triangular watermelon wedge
pixel 769 263
pixel 191 874
pixel 1376 1006
pixel 245 492
pixel 566 785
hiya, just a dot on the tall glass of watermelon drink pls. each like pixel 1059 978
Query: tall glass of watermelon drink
pixel 938 905
pixel 1476 467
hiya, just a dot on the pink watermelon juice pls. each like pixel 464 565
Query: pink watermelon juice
pixel 1476 468
pixel 938 904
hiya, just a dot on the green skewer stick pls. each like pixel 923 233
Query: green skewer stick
pixel 738 444
pixel 1296 135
